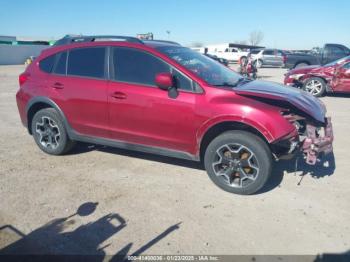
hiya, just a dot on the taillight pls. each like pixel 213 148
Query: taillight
pixel 23 78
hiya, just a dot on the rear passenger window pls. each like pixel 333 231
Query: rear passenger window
pixel 47 63
pixel 89 62
pixel 60 67
pixel 268 52
pixel 134 66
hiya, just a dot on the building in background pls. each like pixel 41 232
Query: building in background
pixel 16 50
pixel 148 36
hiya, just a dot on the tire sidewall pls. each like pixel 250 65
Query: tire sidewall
pixel 256 145
pixel 49 112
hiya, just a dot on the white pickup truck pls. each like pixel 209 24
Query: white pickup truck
pixel 232 54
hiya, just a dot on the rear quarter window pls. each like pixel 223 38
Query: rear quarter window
pixel 60 67
pixel 47 63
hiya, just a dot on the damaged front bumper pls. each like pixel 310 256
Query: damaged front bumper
pixel 317 140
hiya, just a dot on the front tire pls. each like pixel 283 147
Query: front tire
pixel 49 132
pixel 238 162
pixel 315 86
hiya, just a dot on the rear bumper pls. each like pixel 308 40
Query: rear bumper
pixel 20 99
pixel 317 142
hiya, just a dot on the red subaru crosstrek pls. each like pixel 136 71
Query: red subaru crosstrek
pixel 162 98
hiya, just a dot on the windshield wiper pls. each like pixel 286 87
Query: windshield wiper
pixel 226 84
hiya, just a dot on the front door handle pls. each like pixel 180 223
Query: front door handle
pixel 118 95
pixel 58 85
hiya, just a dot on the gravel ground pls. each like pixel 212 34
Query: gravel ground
pixel 157 205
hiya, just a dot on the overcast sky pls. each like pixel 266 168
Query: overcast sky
pixel 298 24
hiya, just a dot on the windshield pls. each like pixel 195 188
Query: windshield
pixel 339 61
pixel 206 68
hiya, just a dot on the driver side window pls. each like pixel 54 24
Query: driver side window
pixel 139 67
pixel 136 66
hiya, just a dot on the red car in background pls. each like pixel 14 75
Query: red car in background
pixel 317 80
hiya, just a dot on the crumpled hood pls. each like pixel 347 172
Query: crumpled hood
pixel 305 102
pixel 303 70
pixel 326 71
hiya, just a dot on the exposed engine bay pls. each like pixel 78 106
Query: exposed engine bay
pixel 311 139
pixel 313 130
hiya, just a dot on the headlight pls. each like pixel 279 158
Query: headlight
pixel 296 76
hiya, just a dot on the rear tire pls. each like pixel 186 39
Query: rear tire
pixel 238 162
pixel 49 132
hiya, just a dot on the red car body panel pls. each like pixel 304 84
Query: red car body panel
pixel 84 110
pixel 138 114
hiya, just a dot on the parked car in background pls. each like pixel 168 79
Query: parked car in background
pixel 161 98
pixel 328 54
pixel 220 60
pixel 204 51
pixel 317 80
pixel 268 57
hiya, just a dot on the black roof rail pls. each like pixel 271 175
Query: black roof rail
pixel 68 39
pixel 161 41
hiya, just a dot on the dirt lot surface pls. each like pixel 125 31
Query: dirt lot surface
pixel 156 205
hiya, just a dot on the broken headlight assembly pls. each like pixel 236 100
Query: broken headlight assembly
pixel 313 138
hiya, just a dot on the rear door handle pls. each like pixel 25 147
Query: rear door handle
pixel 58 85
pixel 118 95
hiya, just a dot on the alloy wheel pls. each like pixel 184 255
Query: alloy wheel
pixel 314 87
pixel 236 165
pixel 48 131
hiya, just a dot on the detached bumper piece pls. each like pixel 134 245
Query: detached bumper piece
pixel 317 141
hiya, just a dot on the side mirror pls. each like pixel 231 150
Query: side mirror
pixel 164 81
